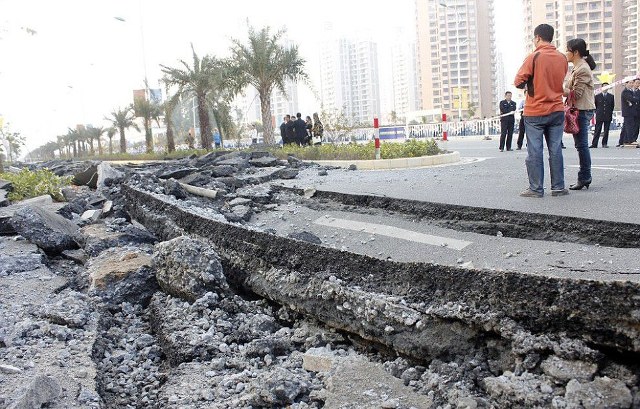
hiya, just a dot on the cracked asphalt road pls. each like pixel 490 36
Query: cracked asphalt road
pixel 484 178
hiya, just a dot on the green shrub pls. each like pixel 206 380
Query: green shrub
pixel 27 184
pixel 388 150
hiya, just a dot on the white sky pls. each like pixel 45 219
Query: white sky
pixel 83 63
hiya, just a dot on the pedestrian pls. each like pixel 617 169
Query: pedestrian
pixel 629 102
pixel 636 112
pixel 605 105
pixel 309 126
pixel 542 73
pixel 300 129
pixel 291 132
pixel 507 122
pixel 283 129
pixel 580 82
pixel 520 140
pixel 317 129
pixel 253 133
pixel 217 140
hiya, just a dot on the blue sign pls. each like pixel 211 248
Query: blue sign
pixel 393 132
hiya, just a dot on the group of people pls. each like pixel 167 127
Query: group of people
pixel 630 112
pixel 301 132
pixel 543 75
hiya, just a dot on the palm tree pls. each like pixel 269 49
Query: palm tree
pixel 169 106
pixel 149 111
pixel 266 65
pixel 205 81
pixel 73 139
pixel 94 133
pixel 122 119
pixel 111 131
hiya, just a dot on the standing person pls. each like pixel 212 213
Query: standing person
pixel 580 81
pixel 520 140
pixel 636 116
pixel 217 140
pixel 253 133
pixel 291 132
pixel 629 104
pixel 309 126
pixel 301 129
pixel 507 122
pixel 317 129
pixel 605 104
pixel 283 129
pixel 542 72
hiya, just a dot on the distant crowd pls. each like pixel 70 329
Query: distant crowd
pixel 302 132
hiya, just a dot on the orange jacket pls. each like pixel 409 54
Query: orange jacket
pixel 550 70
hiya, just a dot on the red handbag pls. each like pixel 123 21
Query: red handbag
pixel 571 115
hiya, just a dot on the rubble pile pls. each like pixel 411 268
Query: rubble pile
pixel 150 288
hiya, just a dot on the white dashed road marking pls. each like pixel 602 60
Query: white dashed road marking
pixel 391 231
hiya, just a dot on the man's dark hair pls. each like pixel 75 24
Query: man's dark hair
pixel 299 115
pixel 508 92
pixel 605 84
pixel 545 31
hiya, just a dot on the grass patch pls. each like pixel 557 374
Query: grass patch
pixel 390 150
pixel 28 184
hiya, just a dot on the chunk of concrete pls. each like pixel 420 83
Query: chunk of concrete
pixel 600 393
pixel 188 268
pixel 3 198
pixel 122 274
pixel 49 231
pixel 564 370
pixel 42 390
pixel 91 215
pixel 88 177
pixel 107 174
pixel 319 360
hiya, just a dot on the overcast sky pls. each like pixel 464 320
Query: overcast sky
pixel 83 63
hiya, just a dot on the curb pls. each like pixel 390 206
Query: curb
pixel 400 163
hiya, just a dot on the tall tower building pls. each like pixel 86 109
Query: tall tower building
pixel 457 56
pixel 609 28
pixel 349 78
pixel 405 80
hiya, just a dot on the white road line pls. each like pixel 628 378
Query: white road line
pixel 391 231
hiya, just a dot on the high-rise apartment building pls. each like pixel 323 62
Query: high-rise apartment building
pixel 609 27
pixel 349 78
pixel 457 56
pixel 406 94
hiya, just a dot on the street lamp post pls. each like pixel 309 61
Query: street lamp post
pixel 458 21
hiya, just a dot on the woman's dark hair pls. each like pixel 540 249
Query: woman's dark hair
pixel 579 45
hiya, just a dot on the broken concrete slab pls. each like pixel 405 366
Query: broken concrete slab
pixel 264 161
pixel 17 256
pixel 563 370
pixel 122 274
pixel 95 238
pixel 6 185
pixel 91 215
pixel 173 188
pixel 107 174
pixel 48 230
pixel 88 177
pixel 42 390
pixel 602 392
pixel 222 170
pixel 354 381
pixel 188 268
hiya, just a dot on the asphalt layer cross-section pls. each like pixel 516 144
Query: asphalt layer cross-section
pixel 487 178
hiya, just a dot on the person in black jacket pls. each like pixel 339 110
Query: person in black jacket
pixel 291 132
pixel 629 104
pixel 300 129
pixel 507 122
pixel 604 114
pixel 283 129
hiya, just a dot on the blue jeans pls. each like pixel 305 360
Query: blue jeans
pixel 539 128
pixel 581 140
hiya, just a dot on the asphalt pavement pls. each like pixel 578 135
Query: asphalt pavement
pixel 484 177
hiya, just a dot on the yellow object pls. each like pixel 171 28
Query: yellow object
pixel 605 76
pixel 456 98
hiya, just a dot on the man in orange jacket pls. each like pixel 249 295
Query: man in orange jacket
pixel 542 74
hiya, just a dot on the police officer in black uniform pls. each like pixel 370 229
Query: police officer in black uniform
pixel 507 122
pixel 604 114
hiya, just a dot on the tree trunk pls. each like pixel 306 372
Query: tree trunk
pixel 148 136
pixel 267 126
pixel 92 151
pixel 171 143
pixel 205 128
pixel 75 150
pixel 111 145
pixel 99 146
pixel 123 142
